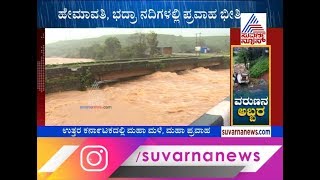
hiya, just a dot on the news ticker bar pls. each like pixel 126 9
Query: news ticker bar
pixel 130 157
pixel 158 14
pixel 160 131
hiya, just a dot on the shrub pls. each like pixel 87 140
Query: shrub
pixel 86 79
pixel 260 67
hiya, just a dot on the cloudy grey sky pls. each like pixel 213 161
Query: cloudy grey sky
pixel 60 34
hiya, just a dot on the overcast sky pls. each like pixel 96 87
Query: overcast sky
pixel 60 34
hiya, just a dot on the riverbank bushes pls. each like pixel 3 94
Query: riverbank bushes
pixel 260 67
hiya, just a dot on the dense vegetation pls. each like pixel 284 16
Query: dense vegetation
pixel 141 45
pixel 258 59
pixel 136 45
pixel 259 68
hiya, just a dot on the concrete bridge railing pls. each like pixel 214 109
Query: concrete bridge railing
pixel 77 77
pixel 219 115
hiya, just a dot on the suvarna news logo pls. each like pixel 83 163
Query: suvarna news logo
pixel 253 29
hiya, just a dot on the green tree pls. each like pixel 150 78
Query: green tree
pixel 250 55
pixel 255 53
pixel 112 48
pixel 99 51
pixel 261 67
pixel 243 56
pixel 86 78
pixel 91 52
pixel 184 48
pixel 126 52
pixel 138 45
pixel 83 52
pixel 152 41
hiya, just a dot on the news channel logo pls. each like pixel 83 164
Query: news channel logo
pixel 94 158
pixel 253 29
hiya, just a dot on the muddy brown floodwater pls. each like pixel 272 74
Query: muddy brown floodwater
pixel 162 98
pixel 58 60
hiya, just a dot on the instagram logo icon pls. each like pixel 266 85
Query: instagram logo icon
pixel 94 158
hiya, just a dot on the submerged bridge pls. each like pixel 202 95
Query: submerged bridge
pixel 78 76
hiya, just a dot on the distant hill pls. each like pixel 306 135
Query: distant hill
pixel 70 48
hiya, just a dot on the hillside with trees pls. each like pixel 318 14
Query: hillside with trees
pixel 257 59
pixel 132 46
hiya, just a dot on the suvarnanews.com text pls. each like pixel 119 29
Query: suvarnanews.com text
pixel 197 156
pixel 95 107
pixel 244 132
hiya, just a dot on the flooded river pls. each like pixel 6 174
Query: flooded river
pixel 58 60
pixel 162 98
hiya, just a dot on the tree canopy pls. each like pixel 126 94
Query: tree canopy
pixel 112 49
